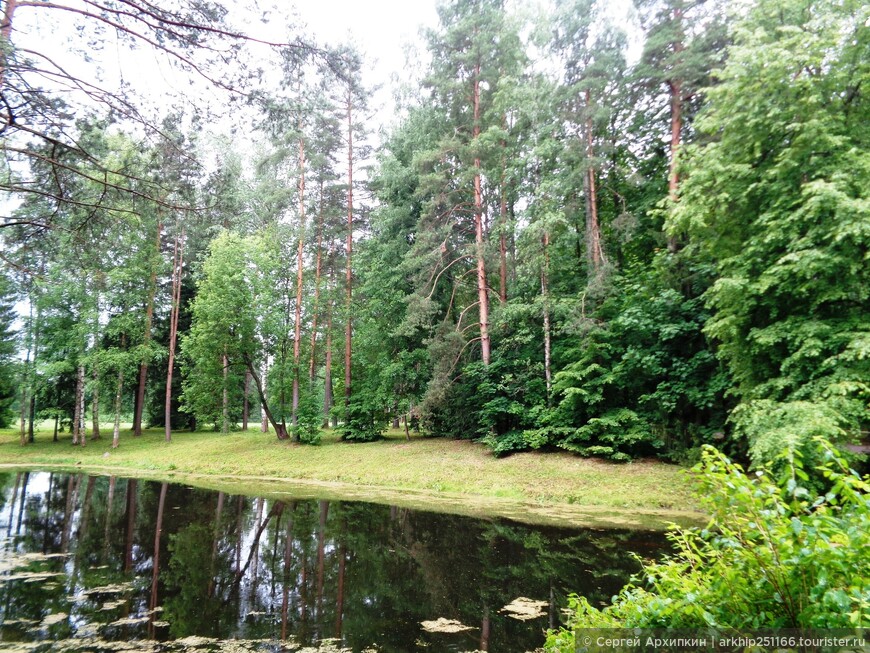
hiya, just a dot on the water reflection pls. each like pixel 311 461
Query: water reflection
pixel 86 561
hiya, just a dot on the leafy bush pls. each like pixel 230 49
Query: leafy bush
pixel 365 420
pixel 309 417
pixel 773 556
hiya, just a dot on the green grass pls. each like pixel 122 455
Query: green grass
pixel 453 475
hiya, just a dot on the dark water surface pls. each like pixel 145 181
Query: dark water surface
pixel 90 563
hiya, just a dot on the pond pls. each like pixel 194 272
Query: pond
pixel 93 563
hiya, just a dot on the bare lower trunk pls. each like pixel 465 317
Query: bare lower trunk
pixel 177 267
pixel 225 412
pixel 78 434
pixel 116 432
pixel 313 358
pixel 247 405
pixel 264 419
pixel 95 406
pixel 146 341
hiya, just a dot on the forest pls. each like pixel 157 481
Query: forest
pixel 587 240
pixel 615 240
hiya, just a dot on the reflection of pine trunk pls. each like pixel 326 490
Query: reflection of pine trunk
pixel 12 504
pixel 132 485
pixel 484 630
pixel 66 531
pixel 23 497
pixel 116 432
pixel 215 542
pixel 240 505
pixel 321 541
pixel 158 531
pixel 288 549
pixel 339 605
pixel 146 341
pixel 86 509
pixel 276 510
pixel 109 501
pixel 254 557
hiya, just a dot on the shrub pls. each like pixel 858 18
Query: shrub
pixel 773 556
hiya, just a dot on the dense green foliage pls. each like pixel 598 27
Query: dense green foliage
pixel 560 246
pixel 775 555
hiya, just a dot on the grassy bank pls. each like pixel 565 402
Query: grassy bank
pixel 452 475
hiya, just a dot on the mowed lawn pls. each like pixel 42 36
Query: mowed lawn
pixel 424 472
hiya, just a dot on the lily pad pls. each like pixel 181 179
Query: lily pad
pixel 442 625
pixel 524 609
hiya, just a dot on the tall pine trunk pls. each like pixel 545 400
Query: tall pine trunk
pixel 502 226
pixel 78 433
pixel 177 267
pixel 225 405
pixel 545 296
pixel 348 327
pixel 116 432
pixel 594 249
pixel 675 86
pixel 297 328
pixel 482 287
pixel 312 364
pixel 146 341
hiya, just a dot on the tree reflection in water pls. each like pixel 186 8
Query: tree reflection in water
pixel 91 560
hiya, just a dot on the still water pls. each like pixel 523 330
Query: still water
pixel 91 563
